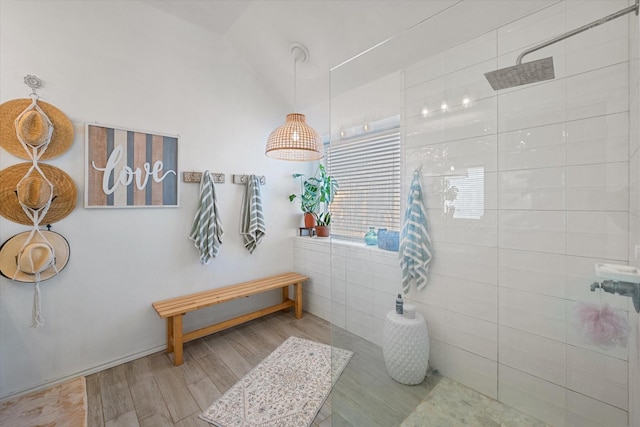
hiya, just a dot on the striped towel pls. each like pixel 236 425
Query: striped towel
pixel 252 226
pixel 206 230
pixel 415 243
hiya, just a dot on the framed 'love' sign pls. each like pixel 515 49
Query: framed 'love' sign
pixel 130 169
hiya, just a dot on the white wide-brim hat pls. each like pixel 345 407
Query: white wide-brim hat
pixel 47 253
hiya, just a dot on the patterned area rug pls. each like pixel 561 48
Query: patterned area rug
pixel 287 388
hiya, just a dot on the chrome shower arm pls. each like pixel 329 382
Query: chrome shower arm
pixel 593 24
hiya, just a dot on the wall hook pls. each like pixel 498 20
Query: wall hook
pixel 196 177
pixel 242 179
pixel 33 82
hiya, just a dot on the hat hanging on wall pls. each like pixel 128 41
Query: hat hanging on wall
pixel 34 127
pixel 33 192
pixel 31 257
pixel 46 254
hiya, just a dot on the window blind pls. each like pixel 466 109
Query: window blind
pixel 368 173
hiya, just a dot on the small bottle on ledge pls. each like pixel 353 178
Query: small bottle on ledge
pixel 399 304
pixel 371 238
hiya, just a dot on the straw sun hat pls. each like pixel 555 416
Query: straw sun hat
pixel 46 253
pixel 35 192
pixel 34 128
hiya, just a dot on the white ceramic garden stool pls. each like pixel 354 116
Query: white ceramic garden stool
pixel 406 348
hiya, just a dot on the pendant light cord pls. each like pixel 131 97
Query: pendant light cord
pixel 295 85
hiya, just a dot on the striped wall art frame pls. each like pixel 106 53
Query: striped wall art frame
pixel 127 168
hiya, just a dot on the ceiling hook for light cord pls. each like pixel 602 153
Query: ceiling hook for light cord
pixel 299 53
pixel 33 82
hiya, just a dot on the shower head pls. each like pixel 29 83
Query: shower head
pixel 521 74
pixel 542 69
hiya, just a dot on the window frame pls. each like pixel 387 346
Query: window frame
pixel 348 220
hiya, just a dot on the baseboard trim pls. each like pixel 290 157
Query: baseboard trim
pixel 83 373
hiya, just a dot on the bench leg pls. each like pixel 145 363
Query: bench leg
pixel 285 295
pixel 169 334
pixel 298 300
pixel 177 339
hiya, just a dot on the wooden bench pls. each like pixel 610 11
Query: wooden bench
pixel 174 309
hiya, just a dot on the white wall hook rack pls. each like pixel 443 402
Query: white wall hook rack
pixel 196 177
pixel 242 179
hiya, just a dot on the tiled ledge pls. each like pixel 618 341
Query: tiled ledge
pixel 337 245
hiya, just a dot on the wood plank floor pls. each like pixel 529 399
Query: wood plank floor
pixel 150 391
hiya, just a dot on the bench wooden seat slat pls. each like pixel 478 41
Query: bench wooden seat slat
pixel 203 299
pixel 173 309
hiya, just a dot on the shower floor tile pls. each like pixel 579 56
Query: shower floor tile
pixel 451 404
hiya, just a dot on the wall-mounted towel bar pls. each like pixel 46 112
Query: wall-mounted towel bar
pixel 196 177
pixel 242 179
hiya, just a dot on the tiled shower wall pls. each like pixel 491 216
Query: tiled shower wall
pixel 559 164
pixel 634 205
pixel 352 285
pixel 555 157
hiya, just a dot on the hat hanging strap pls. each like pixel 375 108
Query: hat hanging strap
pixel 36 215
pixel 34 152
pixel 45 240
pixel 36 317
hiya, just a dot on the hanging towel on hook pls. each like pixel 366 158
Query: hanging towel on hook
pixel 252 226
pixel 415 243
pixel 206 230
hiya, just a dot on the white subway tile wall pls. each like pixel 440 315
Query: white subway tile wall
pixel 599 376
pixel 465 367
pixel 583 410
pixel 533 395
pixel 533 354
pixel 634 206
pixel 561 192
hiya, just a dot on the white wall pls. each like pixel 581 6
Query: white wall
pixel 124 64
pixel 557 197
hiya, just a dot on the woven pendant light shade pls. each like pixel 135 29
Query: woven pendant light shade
pixel 294 140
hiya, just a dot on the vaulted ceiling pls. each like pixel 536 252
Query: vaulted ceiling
pixel 334 31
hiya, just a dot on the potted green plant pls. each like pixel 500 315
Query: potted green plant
pixel 323 221
pixel 314 191
pixel 309 200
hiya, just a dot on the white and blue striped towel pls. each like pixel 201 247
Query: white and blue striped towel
pixel 206 230
pixel 252 226
pixel 415 243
